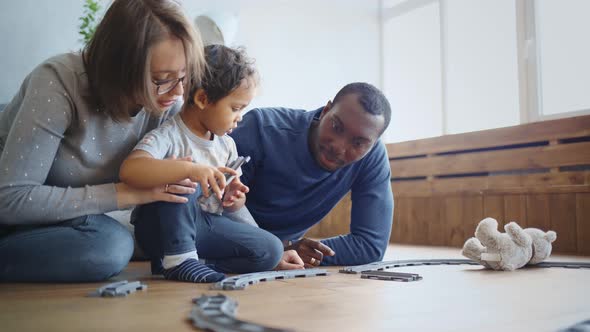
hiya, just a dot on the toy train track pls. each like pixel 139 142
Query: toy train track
pixel 243 280
pixel 217 313
pixel 118 289
pixel 380 266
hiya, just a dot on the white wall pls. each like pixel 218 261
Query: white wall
pixel 480 69
pixel 30 32
pixel 450 66
pixel 412 74
pixel 563 33
pixel 306 50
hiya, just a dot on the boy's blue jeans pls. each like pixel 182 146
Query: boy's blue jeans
pixel 163 228
pixel 84 249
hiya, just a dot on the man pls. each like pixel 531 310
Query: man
pixel 303 163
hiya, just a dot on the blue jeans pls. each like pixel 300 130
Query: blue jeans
pixel 84 249
pixel 163 228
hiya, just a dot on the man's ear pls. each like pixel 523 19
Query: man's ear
pixel 200 99
pixel 326 109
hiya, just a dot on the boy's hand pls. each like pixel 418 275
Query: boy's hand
pixel 236 191
pixel 210 178
pixel 290 261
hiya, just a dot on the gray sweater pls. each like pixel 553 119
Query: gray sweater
pixel 60 154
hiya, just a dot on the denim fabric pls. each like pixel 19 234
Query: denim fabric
pixel 84 249
pixel 231 247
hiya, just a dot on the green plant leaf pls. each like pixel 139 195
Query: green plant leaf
pixel 89 19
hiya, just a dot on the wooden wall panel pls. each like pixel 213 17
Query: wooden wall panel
pixel 562 209
pixel 402 215
pixel 338 222
pixel 538 213
pixel 493 207
pixel 317 230
pixel 335 223
pixel 437 226
pixel 418 221
pixel 532 132
pixel 515 209
pixel 583 223
pixel 491 161
pixel 472 215
pixel 462 214
pixel 450 220
pixel 395 227
pixel 512 181
pixel 419 228
pixel 497 184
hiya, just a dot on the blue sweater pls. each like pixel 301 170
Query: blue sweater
pixel 289 192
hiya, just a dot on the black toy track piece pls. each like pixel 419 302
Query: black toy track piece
pixel 389 275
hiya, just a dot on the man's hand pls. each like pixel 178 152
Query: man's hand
pixel 290 261
pixel 312 252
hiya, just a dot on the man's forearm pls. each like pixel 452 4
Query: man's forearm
pixel 354 250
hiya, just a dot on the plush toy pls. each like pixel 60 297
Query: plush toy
pixel 508 251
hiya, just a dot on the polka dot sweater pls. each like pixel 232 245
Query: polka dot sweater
pixel 61 154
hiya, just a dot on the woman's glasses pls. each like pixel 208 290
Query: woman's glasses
pixel 165 86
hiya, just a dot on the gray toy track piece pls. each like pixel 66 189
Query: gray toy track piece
pixel 388 275
pixel 117 289
pixel 235 165
pixel 380 266
pixel 243 280
pixel 217 313
pixel 567 265
pixel 579 327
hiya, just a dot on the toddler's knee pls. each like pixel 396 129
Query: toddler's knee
pixel 165 208
pixel 269 254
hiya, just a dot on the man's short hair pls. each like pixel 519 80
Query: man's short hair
pixel 370 98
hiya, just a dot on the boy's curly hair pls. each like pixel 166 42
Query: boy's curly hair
pixel 225 69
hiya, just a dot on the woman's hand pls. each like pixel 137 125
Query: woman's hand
pixel 210 178
pixel 290 261
pixel 185 186
pixel 128 196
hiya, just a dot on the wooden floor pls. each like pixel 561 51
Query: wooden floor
pixel 449 298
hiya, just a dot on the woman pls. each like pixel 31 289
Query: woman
pixel 64 135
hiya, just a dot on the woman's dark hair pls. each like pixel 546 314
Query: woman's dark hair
pixel 225 70
pixel 117 58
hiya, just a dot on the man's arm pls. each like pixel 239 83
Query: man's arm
pixel 371 216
